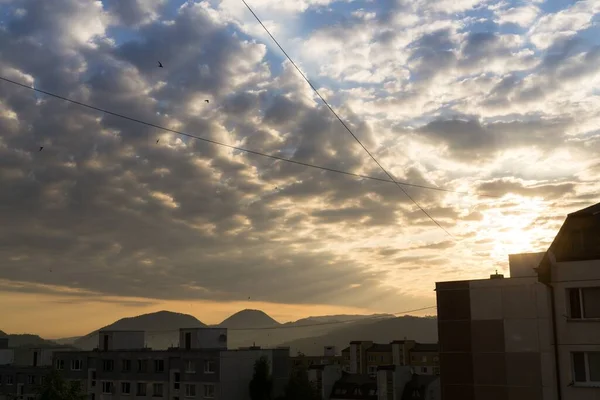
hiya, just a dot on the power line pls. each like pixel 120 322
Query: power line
pixel 254 152
pixel 344 124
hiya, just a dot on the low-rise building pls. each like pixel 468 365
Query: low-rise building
pixel 329 357
pixel 201 368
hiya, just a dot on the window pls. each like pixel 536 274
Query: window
pixel 59 364
pixel 126 365
pixel 31 379
pixel 93 396
pixel 176 379
pixel 188 340
pixel 76 365
pixel 93 378
pixel 424 359
pixel 108 365
pixel 584 302
pixel 372 369
pixel 209 367
pixel 382 358
pixel 141 389
pixel 125 388
pixel 157 389
pixel 413 358
pixel 142 365
pixel 371 358
pixel 107 387
pixel 190 366
pixel 424 370
pixel 209 391
pixel 190 390
pixel 586 368
pixel 159 365
pixel 9 380
pixel 436 370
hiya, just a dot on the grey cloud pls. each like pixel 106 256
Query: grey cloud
pixel 134 12
pixel 473 140
pixel 501 187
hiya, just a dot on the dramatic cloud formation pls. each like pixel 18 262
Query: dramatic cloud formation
pixel 472 96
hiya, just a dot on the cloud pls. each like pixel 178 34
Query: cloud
pixel 115 208
pixel 503 186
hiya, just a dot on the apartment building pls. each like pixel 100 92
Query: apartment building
pixel 494 336
pixel 570 270
pixel 329 357
pixel 377 355
pixel 365 357
pixel 20 375
pixel 424 358
pixel 200 368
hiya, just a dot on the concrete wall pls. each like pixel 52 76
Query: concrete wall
pixel 237 369
pixel 122 340
pixel 7 356
pixel 204 338
pixel 575 335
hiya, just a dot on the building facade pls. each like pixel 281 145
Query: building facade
pixel 494 338
pixel 571 271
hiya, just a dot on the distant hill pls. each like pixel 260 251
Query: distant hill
pixel 69 340
pixel 27 340
pixel 162 329
pixel 421 329
pixel 249 319
pixel 326 319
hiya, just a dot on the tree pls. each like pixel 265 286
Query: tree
pixel 55 387
pixel 261 385
pixel 300 388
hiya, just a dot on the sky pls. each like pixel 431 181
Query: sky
pixel 497 100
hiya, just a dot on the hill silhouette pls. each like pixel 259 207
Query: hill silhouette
pixel 249 319
pixel 421 329
pixel 27 340
pixel 162 329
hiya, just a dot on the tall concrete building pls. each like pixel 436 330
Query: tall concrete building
pixel 494 336
pixel 571 271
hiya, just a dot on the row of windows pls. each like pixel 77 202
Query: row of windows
pixel 10 380
pixel 141 365
pixel 157 389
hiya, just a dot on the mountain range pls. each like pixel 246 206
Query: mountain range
pixel 249 327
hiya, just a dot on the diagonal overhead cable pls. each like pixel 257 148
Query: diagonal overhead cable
pixel 254 152
pixel 343 123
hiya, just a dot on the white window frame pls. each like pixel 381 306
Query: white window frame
pixel 10 380
pixel 110 386
pixel 31 379
pixel 581 301
pixel 188 364
pixel 76 364
pixel 207 363
pixel 587 382
pixel 124 392
pixel 209 396
pixel 188 391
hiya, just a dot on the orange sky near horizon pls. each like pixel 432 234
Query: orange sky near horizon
pixel 75 316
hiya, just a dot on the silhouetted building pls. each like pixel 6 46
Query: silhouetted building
pixel 494 337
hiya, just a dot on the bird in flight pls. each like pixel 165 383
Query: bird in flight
pixel 160 65
pixel 41 148
pixel 207 101
pixel 157 141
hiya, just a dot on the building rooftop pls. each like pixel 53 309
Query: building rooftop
pixel 380 348
pixel 355 386
pixel 346 349
pixel 416 388
pixel 591 210
pixel 426 347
